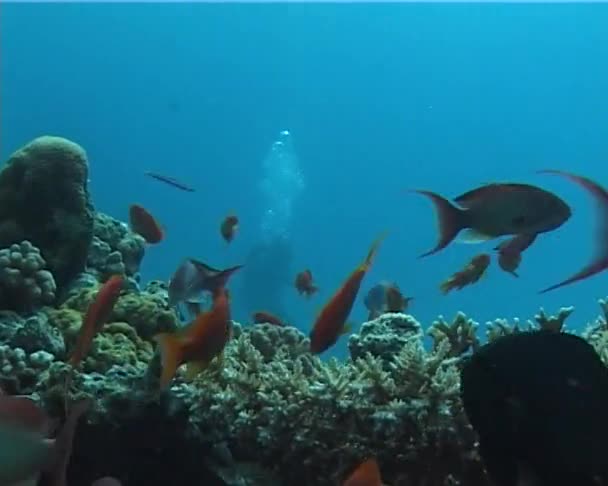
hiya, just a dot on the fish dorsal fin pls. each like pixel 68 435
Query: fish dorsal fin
pixel 471 236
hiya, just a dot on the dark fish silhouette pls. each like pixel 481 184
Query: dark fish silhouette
pixel 170 180
pixel 494 210
pixel 538 402
pixel 600 261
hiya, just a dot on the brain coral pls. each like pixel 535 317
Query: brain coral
pixel 44 199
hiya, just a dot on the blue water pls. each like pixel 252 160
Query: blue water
pixel 377 98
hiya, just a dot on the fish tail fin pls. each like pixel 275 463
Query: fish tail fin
pixel 450 218
pixel 371 254
pixel 227 273
pixel 170 354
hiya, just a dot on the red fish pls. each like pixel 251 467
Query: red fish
pixel 97 314
pixel 331 322
pixel 385 297
pixel 304 283
pixel 470 274
pixel 366 474
pixel 262 317
pixel 600 261
pixel 510 252
pixel 145 225
pixel 199 343
pixel 229 227
pixel 495 210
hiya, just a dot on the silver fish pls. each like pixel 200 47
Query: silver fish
pixel 193 277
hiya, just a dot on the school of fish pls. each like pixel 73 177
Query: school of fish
pixel 521 212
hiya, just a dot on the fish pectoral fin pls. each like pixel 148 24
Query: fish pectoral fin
pixel 194 368
pixel 170 346
pixel 471 236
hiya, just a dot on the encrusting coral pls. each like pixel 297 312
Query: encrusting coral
pixel 44 199
pixel 24 283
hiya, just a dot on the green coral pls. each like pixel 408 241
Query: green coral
pixel 146 312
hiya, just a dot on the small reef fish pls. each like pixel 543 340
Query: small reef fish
pixel 97 314
pixel 304 283
pixel 170 180
pixel 197 344
pixel 26 450
pixel 385 297
pixel 366 474
pixel 510 252
pixel 263 317
pixel 194 277
pixel 494 210
pixel 331 322
pixel 599 262
pixel 470 274
pixel 145 225
pixel 229 227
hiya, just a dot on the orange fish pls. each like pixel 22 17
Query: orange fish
pixel 366 474
pixel 229 227
pixel 197 344
pixel 470 274
pixel 304 284
pixel 331 322
pixel 509 252
pixel 145 225
pixel 599 262
pixel 262 317
pixel 97 314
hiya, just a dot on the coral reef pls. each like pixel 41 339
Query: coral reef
pixel 267 412
pixel 24 283
pixel 115 249
pixel 44 199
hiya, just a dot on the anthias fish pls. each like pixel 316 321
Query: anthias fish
pixel 304 283
pixel 599 263
pixel 495 210
pixel 366 474
pixel 199 343
pixel 510 252
pixel 145 225
pixel 331 322
pixel 229 227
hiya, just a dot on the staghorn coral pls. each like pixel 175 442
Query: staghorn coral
pixel 285 412
pixel 555 323
pixel 303 420
pixel 461 334
pixel 24 283
pixel 44 198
